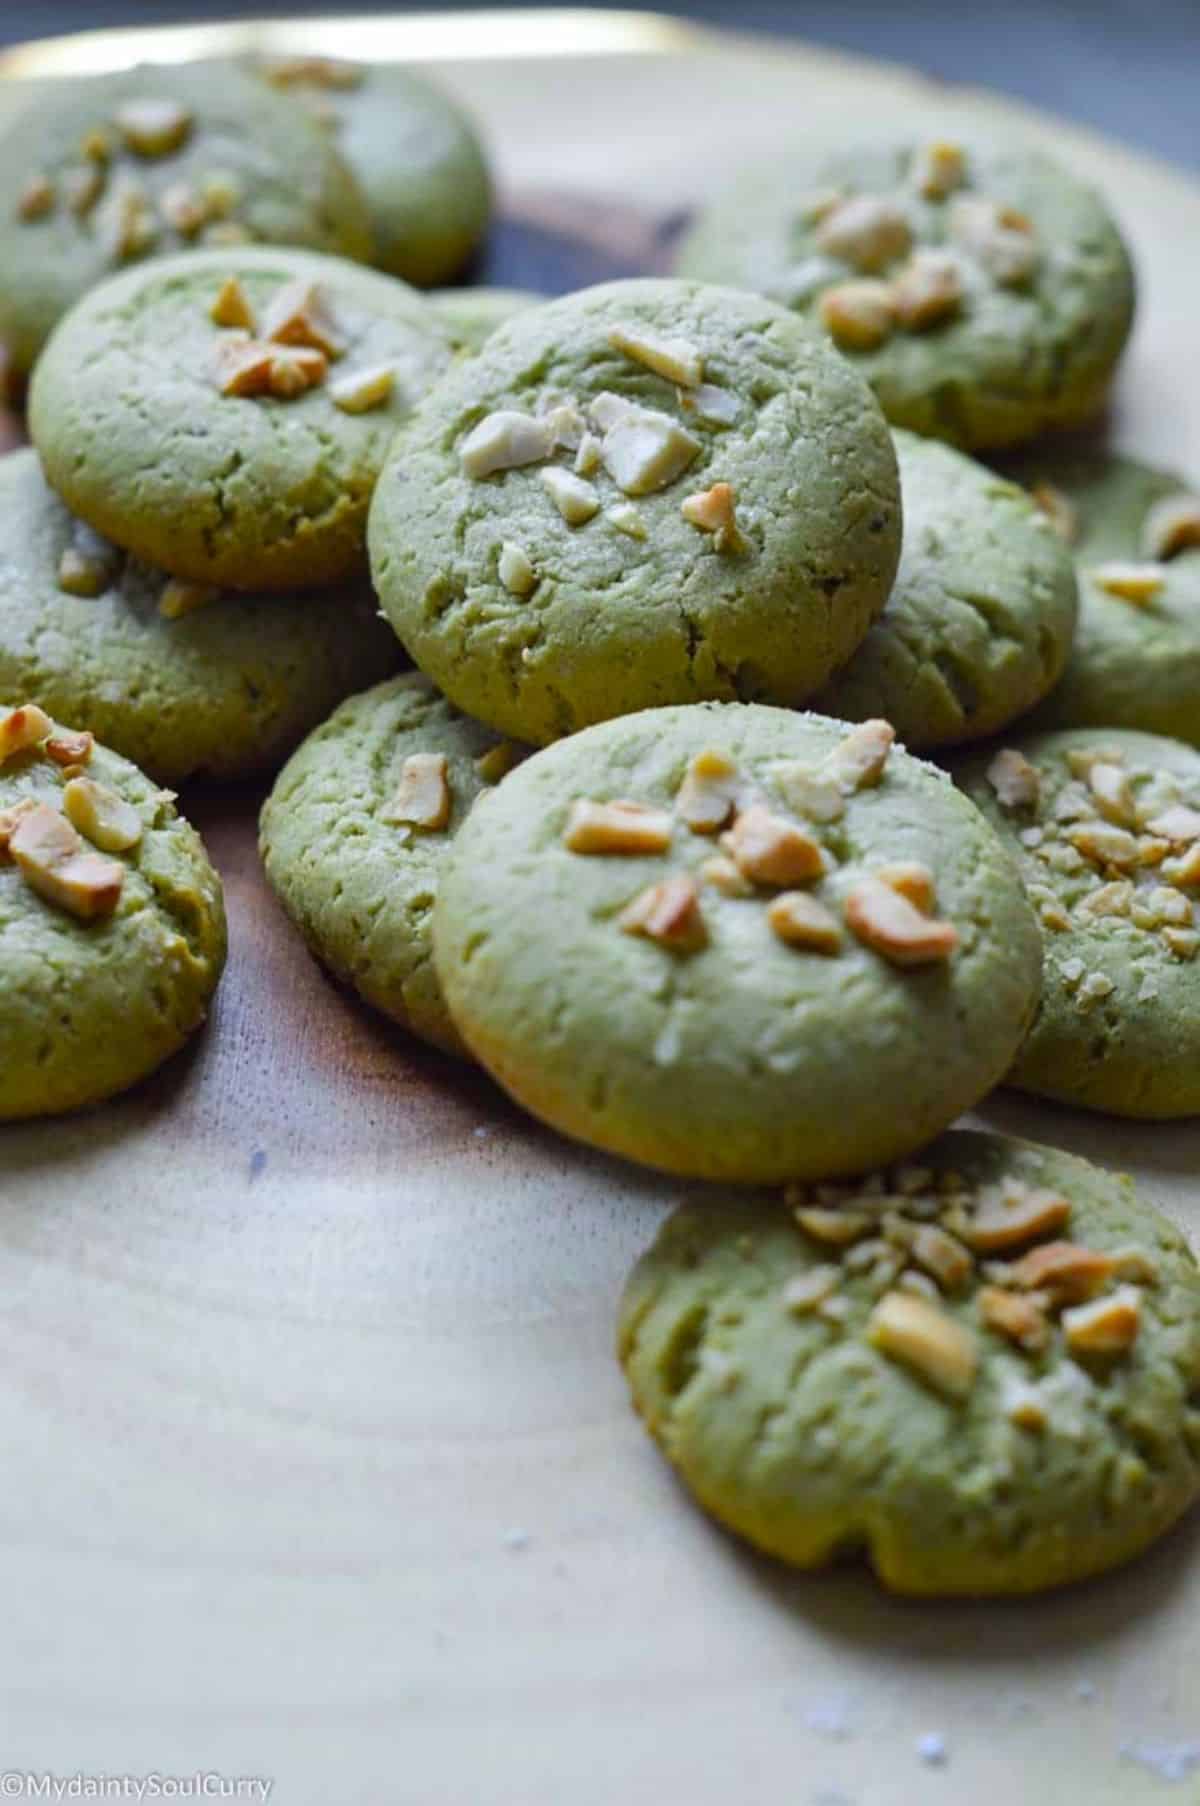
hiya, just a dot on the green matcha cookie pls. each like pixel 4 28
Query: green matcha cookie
pixel 981 1373
pixel 356 831
pixel 736 942
pixel 1105 824
pixel 223 690
pixel 1135 533
pixel 978 626
pixel 648 492
pixel 984 292
pixel 109 170
pixel 225 459
pixel 416 156
pixel 112 926
pixel 473 314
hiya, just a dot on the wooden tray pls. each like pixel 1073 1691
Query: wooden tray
pixel 320 1467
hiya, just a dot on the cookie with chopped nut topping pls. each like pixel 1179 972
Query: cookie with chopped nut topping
pixel 1105 824
pixel 223 689
pixel 414 152
pixel 980 1372
pixel 984 291
pixel 112 924
pixel 703 496
pixel 112 169
pixel 224 415
pixel 356 831
pixel 1134 532
pixel 736 942
pixel 979 622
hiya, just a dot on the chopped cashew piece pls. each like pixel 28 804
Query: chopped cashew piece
pixel 718 406
pixel 807 1290
pixel 925 1338
pixel 1114 899
pixel 943 1255
pixel 1058 509
pixel 1011 1213
pixel 1179 824
pixel 67 748
pixel 81 574
pixel 938 169
pixel 362 391
pixel 889 924
pixel 101 816
pixel 587 455
pixel 859 759
pixel 1000 239
pixel 912 880
pixel 928 290
pixel 1020 1319
pixel 712 511
pixel 1186 869
pixel 810 791
pixel 515 569
pixel 10 817
pixel 1137 583
pixel 232 306
pixel 644 450
pixel 769 849
pixel 801 921
pixel 858 315
pixel 576 499
pixel 21 729
pixel 294 370
pixel 299 314
pixel 669 913
pixel 1111 787
pixel 179 598
pixel 182 209
pixel 249 367
pixel 153 128
pixel 837 1227
pixel 506 440
pixel 1105 845
pixel 1172 526
pixel 422 798
pixel 1067 1270
pixel 868 231
pixel 626 519
pixel 55 863
pixel 724 876
pixel 617 827
pixel 676 359
pixel 705 800
pixel 1135 1264
pixel 1110 1326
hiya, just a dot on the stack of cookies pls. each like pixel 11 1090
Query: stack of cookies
pixel 693 571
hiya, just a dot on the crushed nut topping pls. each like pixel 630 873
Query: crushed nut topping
pixel 644 450
pixel 1178 824
pixel 708 402
pixel 938 169
pixel 182 208
pixel 1172 526
pixel 253 367
pixel 1110 1326
pixel 232 306
pixel 725 877
pixel 888 924
pixel 837 1227
pixel 1114 899
pixel 515 569
pixel 810 791
pixel 1020 1319
pixel 70 749
pixel 179 598
pixel 800 921
pixel 769 849
pixel 37 198
pixel 57 865
pixel 1105 845
pixel 1058 509
pixel 706 798
pixel 868 231
pixel 859 759
pixel 22 729
pixel 300 314
pixel 626 519
pixel 1000 239
pixel 923 1337
pixel 1067 1271
pixel 101 816
pixel 1016 782
pixel 859 316
pixel 712 511
pixel 153 128
pixel 507 440
pixel 927 291
pixel 618 827
pixel 587 455
pixel 912 880
pixel 362 391
pixel 1110 786
pixel 83 187
pixel 422 798
pixel 676 359
pixel 807 1290
pixel 576 499
pixel 669 913
pixel 942 1255
pixel 1137 583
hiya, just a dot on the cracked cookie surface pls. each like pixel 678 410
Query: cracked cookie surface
pixel 704 499
pixel 736 942
pixel 358 882
pixel 960 1444
pixel 978 625
pixel 245 489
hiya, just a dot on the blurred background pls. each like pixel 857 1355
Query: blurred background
pixel 1130 67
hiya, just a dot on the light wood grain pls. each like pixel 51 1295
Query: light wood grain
pixel 319 1464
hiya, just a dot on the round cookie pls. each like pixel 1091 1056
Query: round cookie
pixel 194 449
pixel 999 292
pixel 108 170
pixel 1105 824
pixel 223 691
pixel 473 314
pixel 980 1374
pixel 415 154
pixel 1136 658
pixel 979 622
pixel 112 925
pixel 356 877
pixel 736 943
pixel 647 492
